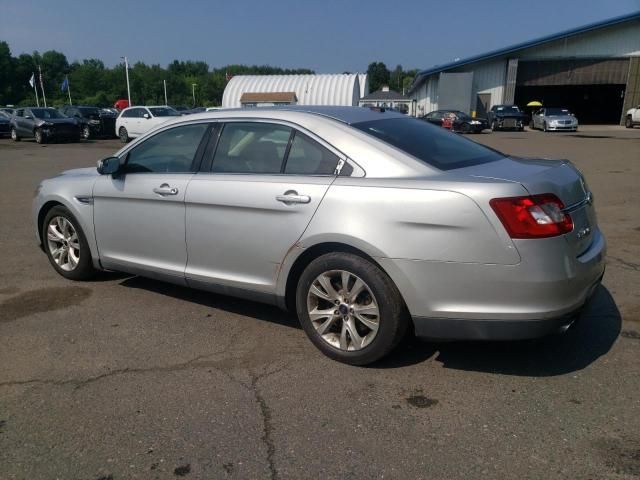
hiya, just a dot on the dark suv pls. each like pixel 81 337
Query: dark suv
pixel 43 124
pixel 94 121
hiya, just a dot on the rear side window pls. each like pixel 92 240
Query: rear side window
pixel 430 144
pixel 308 157
pixel 129 113
pixel 170 151
pixel 251 148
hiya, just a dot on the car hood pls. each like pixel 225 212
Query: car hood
pixel 81 172
pixel 510 114
pixel 560 117
pixel 62 121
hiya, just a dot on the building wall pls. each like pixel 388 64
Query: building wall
pixel 621 40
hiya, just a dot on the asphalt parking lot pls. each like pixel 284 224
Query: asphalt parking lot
pixel 124 378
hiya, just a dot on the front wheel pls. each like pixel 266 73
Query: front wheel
pixel 123 134
pixel 494 126
pixel 350 309
pixel 14 135
pixel 544 127
pixel 628 122
pixel 38 136
pixel 465 127
pixel 86 132
pixel 66 245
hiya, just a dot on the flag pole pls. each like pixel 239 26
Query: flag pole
pixel 34 84
pixel 69 90
pixel 44 98
pixel 165 92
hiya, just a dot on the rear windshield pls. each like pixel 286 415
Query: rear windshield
pixel 431 144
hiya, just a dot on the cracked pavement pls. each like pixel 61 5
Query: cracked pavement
pixel 128 378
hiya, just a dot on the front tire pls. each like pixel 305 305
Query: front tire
pixel 123 134
pixel 544 127
pixel 86 132
pixel 14 135
pixel 350 309
pixel 38 136
pixel 465 127
pixel 66 245
pixel 628 122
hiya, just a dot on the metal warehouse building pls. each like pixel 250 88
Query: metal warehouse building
pixel 593 70
pixel 258 90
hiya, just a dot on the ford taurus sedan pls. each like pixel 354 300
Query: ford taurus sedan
pixel 367 223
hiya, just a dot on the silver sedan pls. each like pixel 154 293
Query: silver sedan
pixel 367 223
pixel 554 119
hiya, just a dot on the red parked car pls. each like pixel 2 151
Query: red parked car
pixel 121 104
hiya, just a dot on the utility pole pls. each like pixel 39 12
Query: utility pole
pixel 44 98
pixel 193 92
pixel 126 69
pixel 165 92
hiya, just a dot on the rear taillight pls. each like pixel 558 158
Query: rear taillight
pixel 535 216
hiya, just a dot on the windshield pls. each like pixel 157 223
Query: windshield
pixel 508 108
pixel 557 111
pixel 46 113
pixel 430 144
pixel 89 110
pixel 163 112
pixel 3 114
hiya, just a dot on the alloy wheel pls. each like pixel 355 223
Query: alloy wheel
pixel 63 243
pixel 343 310
pixel 86 133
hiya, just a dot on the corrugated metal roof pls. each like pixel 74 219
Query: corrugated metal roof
pixel 521 46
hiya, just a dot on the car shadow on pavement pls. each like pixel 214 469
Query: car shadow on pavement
pixel 589 338
pixel 238 306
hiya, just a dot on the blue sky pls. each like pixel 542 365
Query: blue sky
pixel 328 36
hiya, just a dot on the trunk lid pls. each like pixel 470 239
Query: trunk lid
pixel 559 177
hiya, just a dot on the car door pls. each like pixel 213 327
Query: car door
pixel 265 184
pixel 139 213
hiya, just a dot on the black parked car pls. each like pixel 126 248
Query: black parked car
pixel 457 121
pixel 5 124
pixel 43 124
pixel 95 122
pixel 502 117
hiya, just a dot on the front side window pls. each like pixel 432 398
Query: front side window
pixel 170 151
pixel 20 113
pixel 308 157
pixel 428 143
pixel 46 113
pixel 251 148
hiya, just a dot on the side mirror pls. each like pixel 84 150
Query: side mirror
pixel 108 166
pixel 147 116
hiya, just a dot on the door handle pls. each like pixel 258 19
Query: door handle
pixel 165 190
pixel 291 196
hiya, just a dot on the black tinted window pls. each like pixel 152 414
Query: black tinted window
pixel 169 151
pixel 129 113
pixel 308 157
pixel 251 148
pixel 434 146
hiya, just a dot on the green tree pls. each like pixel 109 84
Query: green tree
pixel 378 75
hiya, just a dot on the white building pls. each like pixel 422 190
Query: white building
pixel 266 90
pixel 593 70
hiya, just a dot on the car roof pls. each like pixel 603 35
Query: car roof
pixel 343 114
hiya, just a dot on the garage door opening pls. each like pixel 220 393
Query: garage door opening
pixel 601 104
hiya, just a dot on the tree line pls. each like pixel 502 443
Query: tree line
pixel 92 83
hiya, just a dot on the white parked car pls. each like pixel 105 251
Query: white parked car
pixel 135 121
pixel 633 117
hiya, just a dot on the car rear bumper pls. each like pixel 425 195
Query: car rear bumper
pixel 475 329
pixel 471 300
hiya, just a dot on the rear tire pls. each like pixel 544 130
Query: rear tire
pixel 628 122
pixel 14 135
pixel 66 245
pixel 374 334
pixel 123 134
pixel 38 136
